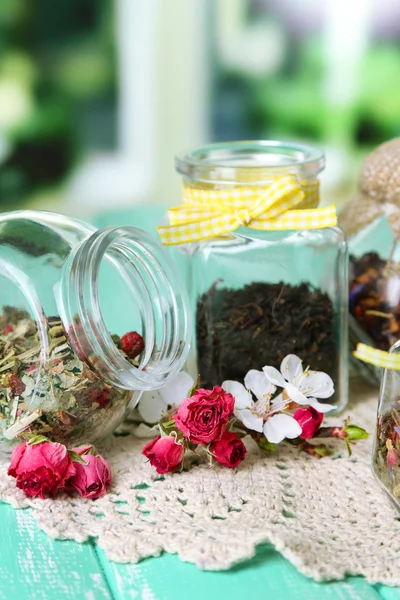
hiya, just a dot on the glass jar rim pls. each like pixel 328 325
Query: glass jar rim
pixel 242 162
pixel 147 266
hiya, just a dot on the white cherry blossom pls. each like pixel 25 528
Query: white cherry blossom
pixel 302 387
pixel 261 416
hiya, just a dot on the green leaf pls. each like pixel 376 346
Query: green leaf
pixel 323 451
pixel 75 457
pixel 37 439
pixel 168 426
pixel 265 445
pixel 356 433
pixel 194 387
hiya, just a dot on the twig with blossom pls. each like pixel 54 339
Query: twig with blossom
pixel 212 422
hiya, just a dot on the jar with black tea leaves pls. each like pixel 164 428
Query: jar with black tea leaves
pixel 266 267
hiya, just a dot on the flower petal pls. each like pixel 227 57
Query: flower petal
pixel 144 431
pixel 295 394
pixel 320 406
pixel 239 392
pixel 151 406
pixel 177 389
pixel 279 427
pixel 316 383
pixel 249 419
pixel 274 376
pixel 257 382
pixel 291 367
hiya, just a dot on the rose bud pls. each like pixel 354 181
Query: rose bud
pixel 203 417
pixel 164 453
pixel 92 478
pixel 41 469
pixel 229 451
pixel 309 420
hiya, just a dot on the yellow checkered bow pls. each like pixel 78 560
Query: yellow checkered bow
pixel 379 358
pixel 211 213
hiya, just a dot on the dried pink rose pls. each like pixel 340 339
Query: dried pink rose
pixel 92 478
pixel 41 470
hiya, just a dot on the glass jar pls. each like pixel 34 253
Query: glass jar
pixel 68 294
pixel 386 453
pixel 259 295
pixel 371 222
pixel 374 292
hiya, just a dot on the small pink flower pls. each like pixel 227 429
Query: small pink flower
pixel 41 469
pixel 164 453
pixel 309 420
pixel 91 479
pixel 229 451
pixel 203 417
pixel 392 458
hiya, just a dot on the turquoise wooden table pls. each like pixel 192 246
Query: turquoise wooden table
pixel 36 567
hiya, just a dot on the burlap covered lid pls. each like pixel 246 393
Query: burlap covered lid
pixel 378 190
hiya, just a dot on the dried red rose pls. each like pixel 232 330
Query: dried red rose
pixel 229 451
pixel 132 344
pixel 41 469
pixel 91 479
pixel 203 417
pixel 164 453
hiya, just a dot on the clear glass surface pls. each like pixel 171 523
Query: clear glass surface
pixel 386 453
pixel 260 295
pixel 68 288
pixel 374 293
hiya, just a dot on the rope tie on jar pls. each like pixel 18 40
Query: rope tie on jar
pixel 284 204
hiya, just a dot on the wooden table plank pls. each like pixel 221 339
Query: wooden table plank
pixel 268 576
pixel 387 593
pixel 37 567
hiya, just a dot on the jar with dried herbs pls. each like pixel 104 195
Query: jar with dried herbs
pixel 88 320
pixel 372 222
pixel 386 455
pixel 267 274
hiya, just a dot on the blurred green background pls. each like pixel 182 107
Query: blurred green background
pixel 96 96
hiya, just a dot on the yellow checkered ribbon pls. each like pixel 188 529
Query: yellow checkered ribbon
pixel 379 358
pixel 211 213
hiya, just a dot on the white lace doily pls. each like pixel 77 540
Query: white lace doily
pixel 327 516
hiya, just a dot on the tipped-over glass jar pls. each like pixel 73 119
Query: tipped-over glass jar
pixel 260 294
pixel 89 319
pixel 386 455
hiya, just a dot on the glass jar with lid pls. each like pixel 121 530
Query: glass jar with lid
pixel 88 320
pixel 260 292
pixel 386 453
pixel 371 222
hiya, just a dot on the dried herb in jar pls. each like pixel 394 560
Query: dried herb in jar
pixel 387 451
pixel 66 400
pixel 259 325
pixel 375 299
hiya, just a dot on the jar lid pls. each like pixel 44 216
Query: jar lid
pixel 247 162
